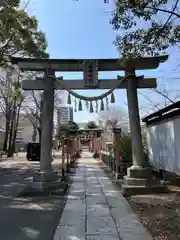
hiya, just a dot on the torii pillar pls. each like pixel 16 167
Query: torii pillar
pixel 46 177
pixel 139 175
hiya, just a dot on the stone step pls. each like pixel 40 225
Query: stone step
pixel 58 188
pixel 128 190
pixel 137 181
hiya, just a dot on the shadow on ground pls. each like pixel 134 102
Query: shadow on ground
pixel 27 218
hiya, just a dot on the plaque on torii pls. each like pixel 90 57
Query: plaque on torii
pixel 90 73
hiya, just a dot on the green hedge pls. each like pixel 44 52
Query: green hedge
pixel 126 155
pixel 109 159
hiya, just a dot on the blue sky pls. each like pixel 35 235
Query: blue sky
pixel 82 30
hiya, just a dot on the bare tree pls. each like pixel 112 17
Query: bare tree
pixel 11 99
pixel 33 112
pixel 34 109
pixel 155 99
pixel 114 116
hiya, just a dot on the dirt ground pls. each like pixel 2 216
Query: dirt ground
pixel 159 213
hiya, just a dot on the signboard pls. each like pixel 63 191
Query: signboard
pixel 91 73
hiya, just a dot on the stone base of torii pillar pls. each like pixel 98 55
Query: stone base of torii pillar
pixel 139 181
pixel 45 180
pixel 139 178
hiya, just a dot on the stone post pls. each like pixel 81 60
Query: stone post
pixel 46 176
pixel 63 157
pixel 101 145
pixel 67 155
pixel 92 142
pixel 117 139
pixel 71 150
pixel 79 146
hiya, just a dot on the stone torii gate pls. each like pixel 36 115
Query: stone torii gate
pixel 139 173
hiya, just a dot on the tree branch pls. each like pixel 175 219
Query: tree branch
pixel 163 94
pixel 173 10
pixel 164 10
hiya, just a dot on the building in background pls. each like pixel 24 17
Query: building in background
pixel 82 124
pixel 64 114
pixel 24 132
pixel 71 114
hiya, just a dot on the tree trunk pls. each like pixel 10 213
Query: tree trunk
pixel 39 131
pixel 12 127
pixel 10 150
pixel 8 119
pixel 16 128
pixel 40 120
pixel 34 134
pixel 6 136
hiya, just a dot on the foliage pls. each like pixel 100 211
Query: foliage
pixel 63 127
pixel 10 3
pixel 148 27
pixel 19 34
pixel 71 126
pixel 68 128
pixel 126 150
pixel 91 125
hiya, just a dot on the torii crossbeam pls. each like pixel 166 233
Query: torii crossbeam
pixel 90 68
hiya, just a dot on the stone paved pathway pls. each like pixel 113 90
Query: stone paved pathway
pixel 96 210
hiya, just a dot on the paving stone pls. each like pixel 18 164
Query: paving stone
pixel 93 190
pixel 65 232
pixel 92 184
pixel 102 237
pixel 95 199
pixel 79 184
pixel 112 193
pixel 101 225
pixel 128 224
pixel 77 190
pixel 75 206
pixel 76 195
pixel 78 179
pixel 91 177
pixel 72 219
pixel 118 202
pixel 98 210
